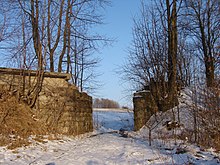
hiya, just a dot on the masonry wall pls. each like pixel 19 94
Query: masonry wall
pixel 60 105
pixel 65 110
pixel 145 105
pixel 144 108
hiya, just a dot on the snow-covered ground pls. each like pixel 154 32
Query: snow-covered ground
pixel 113 119
pixel 106 146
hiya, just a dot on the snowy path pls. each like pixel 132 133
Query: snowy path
pixel 101 149
pixel 104 149
pixel 98 149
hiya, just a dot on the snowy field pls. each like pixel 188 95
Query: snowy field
pixel 112 119
pixel 106 146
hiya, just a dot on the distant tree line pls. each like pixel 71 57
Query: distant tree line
pixel 105 103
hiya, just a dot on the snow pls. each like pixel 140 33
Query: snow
pixel 105 146
pixel 113 120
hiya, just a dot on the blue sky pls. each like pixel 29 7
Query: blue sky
pixel 119 23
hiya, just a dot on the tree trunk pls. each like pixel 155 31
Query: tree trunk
pixel 149 136
pixel 38 50
pixel 207 36
pixel 208 59
pixel 209 71
pixel 172 52
pixel 64 37
pixel 35 32
pixel 52 49
pixel 68 38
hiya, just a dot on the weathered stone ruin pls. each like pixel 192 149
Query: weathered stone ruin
pixel 59 105
pixel 148 101
pixel 144 108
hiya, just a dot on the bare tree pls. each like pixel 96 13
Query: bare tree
pixel 147 55
pixel 203 20
pixel 44 39
pixel 80 15
pixel 50 29
pixel 153 55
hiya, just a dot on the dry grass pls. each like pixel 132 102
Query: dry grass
pixel 206 113
pixel 17 122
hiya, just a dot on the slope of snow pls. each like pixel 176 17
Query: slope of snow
pixel 106 146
